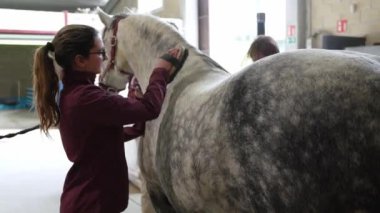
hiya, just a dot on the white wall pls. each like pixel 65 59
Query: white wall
pixel 189 13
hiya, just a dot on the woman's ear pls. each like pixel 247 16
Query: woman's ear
pixel 79 62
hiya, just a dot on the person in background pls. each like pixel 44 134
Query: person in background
pixel 261 47
pixel 91 119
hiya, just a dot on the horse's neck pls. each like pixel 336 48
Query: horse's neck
pixel 196 64
pixel 142 44
pixel 138 58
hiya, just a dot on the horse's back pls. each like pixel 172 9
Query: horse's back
pixel 305 129
pixel 294 132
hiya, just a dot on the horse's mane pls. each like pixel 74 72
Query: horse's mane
pixel 159 32
pixel 150 27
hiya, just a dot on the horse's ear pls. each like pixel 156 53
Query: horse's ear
pixel 104 17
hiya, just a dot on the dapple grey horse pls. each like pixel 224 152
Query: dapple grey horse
pixel 294 132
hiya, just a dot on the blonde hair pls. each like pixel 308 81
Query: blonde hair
pixel 70 41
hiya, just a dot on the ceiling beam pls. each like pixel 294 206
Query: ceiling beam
pixel 48 5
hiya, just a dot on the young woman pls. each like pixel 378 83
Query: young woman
pixel 91 119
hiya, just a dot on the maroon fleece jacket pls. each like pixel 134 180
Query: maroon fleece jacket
pixel 91 127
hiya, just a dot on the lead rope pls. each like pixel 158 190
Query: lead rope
pixel 10 135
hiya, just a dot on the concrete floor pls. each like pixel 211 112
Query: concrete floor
pixel 33 167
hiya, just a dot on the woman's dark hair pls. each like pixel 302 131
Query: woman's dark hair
pixel 265 45
pixel 70 41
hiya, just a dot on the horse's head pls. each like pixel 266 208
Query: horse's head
pixel 116 72
pixel 133 42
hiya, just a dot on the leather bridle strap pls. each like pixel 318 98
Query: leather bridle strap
pixel 112 61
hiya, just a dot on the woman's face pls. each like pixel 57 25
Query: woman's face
pixel 96 56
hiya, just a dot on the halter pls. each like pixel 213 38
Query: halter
pixel 112 62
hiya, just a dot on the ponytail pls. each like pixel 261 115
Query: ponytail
pixel 45 85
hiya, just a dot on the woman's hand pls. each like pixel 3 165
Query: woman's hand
pixel 134 89
pixel 172 60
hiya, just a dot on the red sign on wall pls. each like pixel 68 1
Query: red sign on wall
pixel 341 26
pixel 291 30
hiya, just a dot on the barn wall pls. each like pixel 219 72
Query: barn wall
pixel 363 19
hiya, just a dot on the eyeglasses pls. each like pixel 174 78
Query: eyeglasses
pixel 100 52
